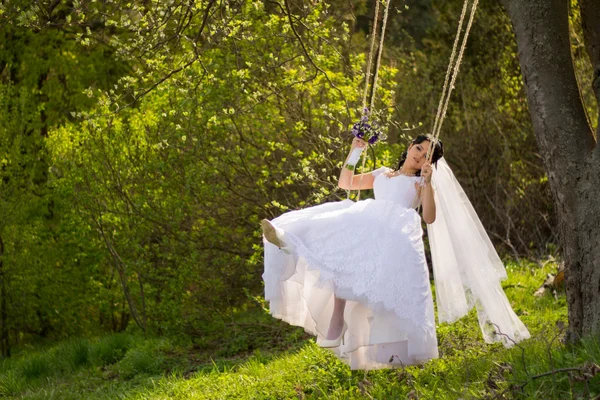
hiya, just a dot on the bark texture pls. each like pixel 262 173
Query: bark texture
pixel 567 146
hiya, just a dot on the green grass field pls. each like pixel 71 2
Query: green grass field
pixel 257 357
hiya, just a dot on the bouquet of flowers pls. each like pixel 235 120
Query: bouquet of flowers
pixel 369 132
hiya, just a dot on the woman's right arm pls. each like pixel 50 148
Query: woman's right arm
pixel 348 180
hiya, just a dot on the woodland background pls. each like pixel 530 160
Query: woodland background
pixel 142 142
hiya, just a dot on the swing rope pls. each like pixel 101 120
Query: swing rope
pixel 381 41
pixel 370 62
pixel 445 99
pixel 449 80
pixel 453 68
pixel 449 69
pixel 375 77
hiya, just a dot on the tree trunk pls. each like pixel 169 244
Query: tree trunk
pixel 567 146
pixel 121 270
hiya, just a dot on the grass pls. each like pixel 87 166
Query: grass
pixel 111 349
pixel 258 357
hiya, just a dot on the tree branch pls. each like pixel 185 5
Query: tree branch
pixel 319 69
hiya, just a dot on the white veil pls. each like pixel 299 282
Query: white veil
pixel 467 270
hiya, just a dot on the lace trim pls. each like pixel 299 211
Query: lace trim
pixel 369 280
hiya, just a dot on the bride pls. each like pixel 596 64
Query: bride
pixel 355 274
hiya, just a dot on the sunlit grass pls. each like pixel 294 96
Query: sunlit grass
pixel 262 358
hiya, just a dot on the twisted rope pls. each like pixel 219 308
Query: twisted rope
pixel 453 66
pixel 381 41
pixel 449 80
pixel 450 66
pixel 440 120
pixel 373 36
pixel 376 76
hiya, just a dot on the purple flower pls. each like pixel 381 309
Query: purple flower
pixel 367 131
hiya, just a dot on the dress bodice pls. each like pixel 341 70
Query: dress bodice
pixel 399 189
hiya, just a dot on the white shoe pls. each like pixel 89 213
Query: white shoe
pixel 327 343
pixel 270 233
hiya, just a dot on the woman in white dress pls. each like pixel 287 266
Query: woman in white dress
pixel 355 275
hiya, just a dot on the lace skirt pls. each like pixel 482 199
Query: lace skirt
pixel 369 253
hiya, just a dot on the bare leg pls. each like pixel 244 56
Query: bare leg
pixel 337 319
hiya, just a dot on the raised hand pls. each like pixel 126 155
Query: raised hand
pixel 356 142
pixel 426 171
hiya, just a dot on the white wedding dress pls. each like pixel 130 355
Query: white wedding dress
pixel 368 252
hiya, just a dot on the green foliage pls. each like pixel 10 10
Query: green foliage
pixel 175 187
pixel 141 144
pixel 36 366
pixel 75 354
pixel 10 384
pixel 139 361
pixel 111 349
pixel 48 267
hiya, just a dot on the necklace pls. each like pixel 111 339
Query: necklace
pixel 399 172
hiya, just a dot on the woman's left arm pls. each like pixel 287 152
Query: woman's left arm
pixel 427 201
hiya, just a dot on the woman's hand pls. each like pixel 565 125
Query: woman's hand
pixel 427 199
pixel 356 142
pixel 426 171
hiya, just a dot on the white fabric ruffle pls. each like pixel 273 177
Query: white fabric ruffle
pixel 369 253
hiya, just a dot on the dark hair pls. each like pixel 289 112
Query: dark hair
pixel 438 151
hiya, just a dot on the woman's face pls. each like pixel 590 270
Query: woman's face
pixel 417 152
